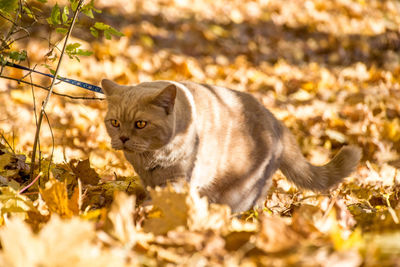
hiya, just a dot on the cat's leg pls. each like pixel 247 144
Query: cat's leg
pixel 172 175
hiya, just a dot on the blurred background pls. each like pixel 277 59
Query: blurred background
pixel 328 68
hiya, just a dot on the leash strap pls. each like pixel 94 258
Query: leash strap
pixel 86 86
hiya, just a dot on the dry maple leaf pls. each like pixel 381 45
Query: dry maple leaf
pixel 185 208
pixel 121 218
pixel 59 243
pixel 15 204
pixel 172 210
pixel 276 235
pixel 56 197
pixel 204 216
pixel 12 166
pixel 84 172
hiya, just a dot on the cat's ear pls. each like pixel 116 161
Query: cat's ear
pixel 166 98
pixel 110 88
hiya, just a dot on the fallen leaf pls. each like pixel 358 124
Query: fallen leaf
pixel 14 204
pixel 84 172
pixel 172 210
pixel 276 235
pixel 121 217
pixel 59 243
pixel 56 197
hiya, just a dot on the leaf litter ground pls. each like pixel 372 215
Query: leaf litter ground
pixel 329 69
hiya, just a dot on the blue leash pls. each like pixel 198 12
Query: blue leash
pixel 86 86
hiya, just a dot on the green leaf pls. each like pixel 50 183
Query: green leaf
pixel 8 6
pixel 62 30
pixel 107 34
pixel 18 56
pixel 73 52
pixel 74 4
pixel 113 31
pixel 49 68
pixel 88 12
pixel 94 32
pixel 101 26
pixel 29 12
pixel 73 46
pixel 54 18
pixel 89 8
pixel 82 52
pixel 108 30
pixel 65 14
pixel 37 10
pixel 42 1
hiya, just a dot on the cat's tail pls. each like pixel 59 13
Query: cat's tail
pixel 317 178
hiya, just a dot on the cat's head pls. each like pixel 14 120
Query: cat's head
pixel 140 118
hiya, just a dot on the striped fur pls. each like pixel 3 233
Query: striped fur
pixel 223 142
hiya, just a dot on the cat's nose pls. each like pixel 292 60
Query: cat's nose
pixel 123 138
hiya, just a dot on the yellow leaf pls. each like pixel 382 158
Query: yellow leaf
pixel 75 202
pixel 121 217
pixel 21 97
pixel 275 235
pixel 173 207
pixel 20 247
pixel 392 130
pixel 5 159
pixel 56 197
pixel 184 208
pixel 14 203
pixel 309 86
pixel 59 243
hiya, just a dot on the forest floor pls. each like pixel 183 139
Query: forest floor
pixel 330 69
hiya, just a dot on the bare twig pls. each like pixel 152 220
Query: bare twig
pixel 8 144
pixel 33 92
pixel 11 31
pixel 52 147
pixel 34 107
pixel 44 104
pixel 55 93
pixel 29 185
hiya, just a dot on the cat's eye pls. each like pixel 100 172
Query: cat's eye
pixel 140 124
pixel 115 123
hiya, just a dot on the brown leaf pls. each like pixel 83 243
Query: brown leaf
pixel 84 172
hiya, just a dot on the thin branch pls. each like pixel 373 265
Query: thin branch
pixel 44 104
pixel 47 89
pixel 34 105
pixel 5 17
pixel 5 140
pixel 31 70
pixel 52 147
pixel 11 31
pixel 20 38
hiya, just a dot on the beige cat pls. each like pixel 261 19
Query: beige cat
pixel 223 142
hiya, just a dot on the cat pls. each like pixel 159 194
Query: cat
pixel 224 143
